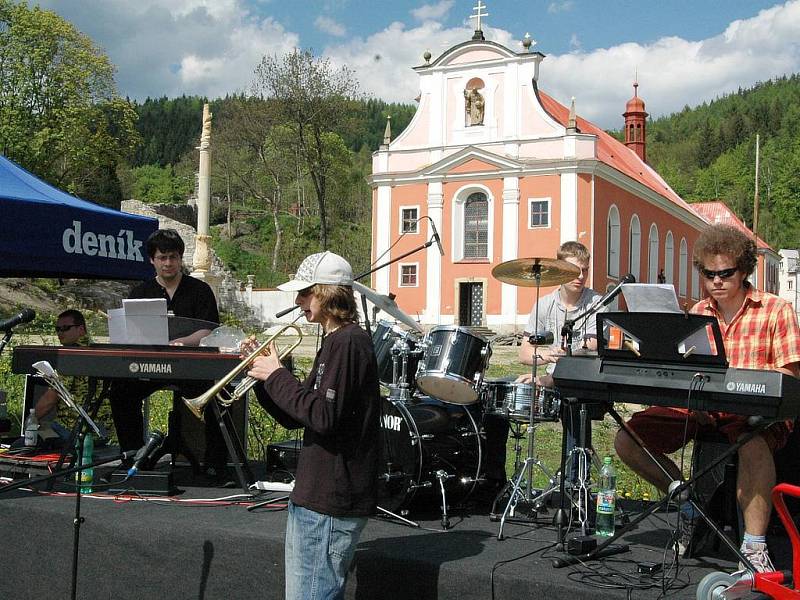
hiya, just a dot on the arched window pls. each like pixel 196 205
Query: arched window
pixel 683 265
pixel 695 282
pixel 652 255
pixel 669 259
pixel 612 250
pixel 635 248
pixel 476 226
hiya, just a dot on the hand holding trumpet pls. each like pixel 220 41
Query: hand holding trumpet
pixel 265 364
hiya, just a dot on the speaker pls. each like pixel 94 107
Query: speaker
pixel 282 459
pixel 193 429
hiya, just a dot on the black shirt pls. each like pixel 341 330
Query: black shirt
pixel 192 299
pixel 338 405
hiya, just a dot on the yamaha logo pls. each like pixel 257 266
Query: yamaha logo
pixel 741 387
pixel 133 367
pixel 150 368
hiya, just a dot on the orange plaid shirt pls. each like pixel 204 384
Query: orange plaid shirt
pixel 764 334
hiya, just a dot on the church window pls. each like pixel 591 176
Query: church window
pixel 409 219
pixel 408 275
pixel 652 255
pixel 476 226
pixel 612 241
pixel 682 268
pixel 635 248
pixel 539 213
pixel 669 258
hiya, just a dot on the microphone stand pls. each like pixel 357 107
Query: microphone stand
pixel 5 340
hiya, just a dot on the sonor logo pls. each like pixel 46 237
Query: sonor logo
pixel 123 246
pixel 144 368
pixel 746 388
pixel 391 422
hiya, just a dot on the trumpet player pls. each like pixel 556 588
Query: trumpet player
pixel 337 405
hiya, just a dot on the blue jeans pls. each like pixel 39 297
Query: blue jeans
pixel 319 549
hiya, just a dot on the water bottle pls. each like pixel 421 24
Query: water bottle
pixel 31 429
pixel 87 475
pixel 606 499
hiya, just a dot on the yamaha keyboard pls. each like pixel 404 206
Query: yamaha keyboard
pixel 769 394
pixel 176 363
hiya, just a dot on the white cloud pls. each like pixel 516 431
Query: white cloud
pixel 433 12
pixel 563 6
pixel 574 43
pixel 329 26
pixel 211 48
pixel 181 47
pixel 673 72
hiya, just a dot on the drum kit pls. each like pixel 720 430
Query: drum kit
pixel 432 417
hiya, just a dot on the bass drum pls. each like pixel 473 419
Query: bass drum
pixel 423 443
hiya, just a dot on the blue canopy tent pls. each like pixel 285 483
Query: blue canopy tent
pixel 45 232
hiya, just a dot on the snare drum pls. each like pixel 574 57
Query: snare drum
pixel 393 344
pixel 513 401
pixel 452 364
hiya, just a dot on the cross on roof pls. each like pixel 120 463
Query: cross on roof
pixel 478 10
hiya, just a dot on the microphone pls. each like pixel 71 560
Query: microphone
pixel 542 338
pixel 146 452
pixel 436 238
pixel 286 311
pixel 26 316
pixel 606 300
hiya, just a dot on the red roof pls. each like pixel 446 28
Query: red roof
pixel 615 154
pixel 718 212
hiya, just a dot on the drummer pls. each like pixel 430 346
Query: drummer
pixel 570 300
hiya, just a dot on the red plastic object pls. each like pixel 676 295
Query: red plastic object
pixel 775 583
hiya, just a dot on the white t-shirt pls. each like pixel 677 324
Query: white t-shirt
pixel 552 315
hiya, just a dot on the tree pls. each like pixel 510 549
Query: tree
pixel 312 97
pixel 60 115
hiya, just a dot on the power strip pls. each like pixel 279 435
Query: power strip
pixel 273 486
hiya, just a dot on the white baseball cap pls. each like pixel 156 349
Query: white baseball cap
pixel 323 267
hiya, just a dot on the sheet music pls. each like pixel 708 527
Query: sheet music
pixel 651 297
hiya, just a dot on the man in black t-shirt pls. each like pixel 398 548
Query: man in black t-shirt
pixel 186 297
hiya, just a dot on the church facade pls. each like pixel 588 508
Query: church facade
pixel 500 170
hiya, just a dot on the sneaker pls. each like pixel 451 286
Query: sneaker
pixel 685 533
pixel 758 555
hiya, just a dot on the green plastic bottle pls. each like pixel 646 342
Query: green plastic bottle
pixel 87 475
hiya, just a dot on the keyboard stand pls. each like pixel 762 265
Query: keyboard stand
pixel 602 550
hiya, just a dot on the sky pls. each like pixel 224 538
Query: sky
pixel 682 52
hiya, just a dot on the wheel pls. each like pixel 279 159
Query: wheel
pixel 712 585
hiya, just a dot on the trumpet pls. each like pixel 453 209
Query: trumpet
pixel 225 397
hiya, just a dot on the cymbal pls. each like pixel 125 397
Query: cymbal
pixel 386 304
pixel 522 272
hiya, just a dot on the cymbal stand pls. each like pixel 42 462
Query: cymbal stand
pixel 526 468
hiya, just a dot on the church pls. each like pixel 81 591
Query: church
pixel 501 170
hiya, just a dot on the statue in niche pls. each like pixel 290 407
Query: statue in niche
pixel 473 107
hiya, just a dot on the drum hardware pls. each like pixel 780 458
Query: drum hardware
pixel 530 272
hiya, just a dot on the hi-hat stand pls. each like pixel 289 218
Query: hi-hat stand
pixel 522 481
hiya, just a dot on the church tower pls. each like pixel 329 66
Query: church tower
pixel 636 124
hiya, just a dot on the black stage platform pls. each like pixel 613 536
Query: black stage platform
pixel 184 548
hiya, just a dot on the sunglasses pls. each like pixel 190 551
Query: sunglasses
pixel 723 274
pixel 63 328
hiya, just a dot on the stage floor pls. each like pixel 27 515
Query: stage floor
pixel 205 544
